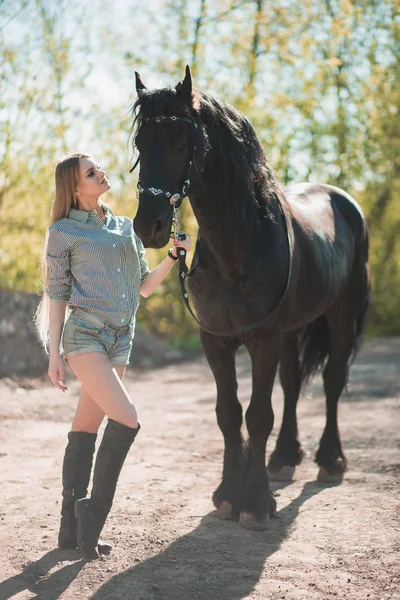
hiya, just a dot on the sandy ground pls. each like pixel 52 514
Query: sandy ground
pixel 328 542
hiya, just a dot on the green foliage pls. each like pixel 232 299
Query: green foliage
pixel 319 79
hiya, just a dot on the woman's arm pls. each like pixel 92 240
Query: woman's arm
pixel 56 370
pixel 58 290
pixel 159 273
pixel 156 276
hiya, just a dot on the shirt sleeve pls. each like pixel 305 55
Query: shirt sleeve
pixel 144 267
pixel 58 264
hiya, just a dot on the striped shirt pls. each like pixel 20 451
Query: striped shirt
pixel 96 265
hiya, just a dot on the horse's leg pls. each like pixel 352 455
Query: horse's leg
pixel 257 501
pixel 288 452
pixel 330 456
pixel 220 353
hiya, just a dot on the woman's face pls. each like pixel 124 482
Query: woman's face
pixel 92 180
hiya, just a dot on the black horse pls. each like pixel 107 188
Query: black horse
pixel 283 271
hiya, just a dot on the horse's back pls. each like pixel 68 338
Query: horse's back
pixel 320 206
pixel 329 233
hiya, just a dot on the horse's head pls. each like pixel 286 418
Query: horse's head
pixel 169 138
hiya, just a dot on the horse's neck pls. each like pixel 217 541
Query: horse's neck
pixel 212 233
pixel 229 248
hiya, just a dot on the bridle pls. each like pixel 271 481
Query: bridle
pixel 175 200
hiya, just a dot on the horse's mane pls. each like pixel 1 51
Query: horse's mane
pixel 241 174
pixel 236 172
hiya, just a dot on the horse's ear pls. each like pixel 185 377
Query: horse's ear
pixel 184 88
pixel 139 84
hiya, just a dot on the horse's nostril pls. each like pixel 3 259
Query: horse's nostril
pixel 157 227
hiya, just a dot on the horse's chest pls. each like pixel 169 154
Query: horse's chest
pixel 223 304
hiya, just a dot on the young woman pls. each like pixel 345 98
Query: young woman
pixel 95 270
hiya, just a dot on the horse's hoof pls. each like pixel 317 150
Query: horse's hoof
pixel 224 511
pixel 104 548
pixel 249 521
pixel 285 474
pixel 333 476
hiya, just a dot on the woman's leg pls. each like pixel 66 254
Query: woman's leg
pixel 89 416
pixel 76 469
pixel 102 383
pixel 92 512
pixel 77 465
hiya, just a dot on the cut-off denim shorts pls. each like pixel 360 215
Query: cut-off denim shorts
pixel 86 332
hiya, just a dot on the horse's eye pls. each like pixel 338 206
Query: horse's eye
pixel 181 147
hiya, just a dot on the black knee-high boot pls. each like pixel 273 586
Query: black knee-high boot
pixel 92 512
pixel 77 466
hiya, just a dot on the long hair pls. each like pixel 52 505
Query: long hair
pixel 66 180
pixel 237 170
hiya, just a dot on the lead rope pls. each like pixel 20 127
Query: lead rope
pixel 183 271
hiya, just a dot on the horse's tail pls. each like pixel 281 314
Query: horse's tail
pixel 313 348
pixel 314 343
pixel 360 327
pixel 363 314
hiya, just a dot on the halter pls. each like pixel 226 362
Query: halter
pixel 176 198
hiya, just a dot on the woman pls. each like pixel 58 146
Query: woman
pixel 95 270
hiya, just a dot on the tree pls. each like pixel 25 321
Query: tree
pixel 319 80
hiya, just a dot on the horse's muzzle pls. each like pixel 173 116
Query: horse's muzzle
pixel 155 234
pixel 153 220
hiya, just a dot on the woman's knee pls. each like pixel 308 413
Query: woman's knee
pixel 85 428
pixel 131 419
pixel 86 422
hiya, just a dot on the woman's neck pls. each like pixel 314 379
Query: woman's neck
pixel 88 205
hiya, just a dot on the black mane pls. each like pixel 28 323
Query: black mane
pixel 237 165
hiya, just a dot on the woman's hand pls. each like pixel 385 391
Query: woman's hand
pixel 56 371
pixel 158 274
pixel 186 244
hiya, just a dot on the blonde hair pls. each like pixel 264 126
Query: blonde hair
pixel 66 179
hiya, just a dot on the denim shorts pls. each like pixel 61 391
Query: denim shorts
pixel 86 332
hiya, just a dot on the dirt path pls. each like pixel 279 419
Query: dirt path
pixel 329 542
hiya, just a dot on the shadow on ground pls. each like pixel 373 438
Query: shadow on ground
pixel 218 560
pixel 36 579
